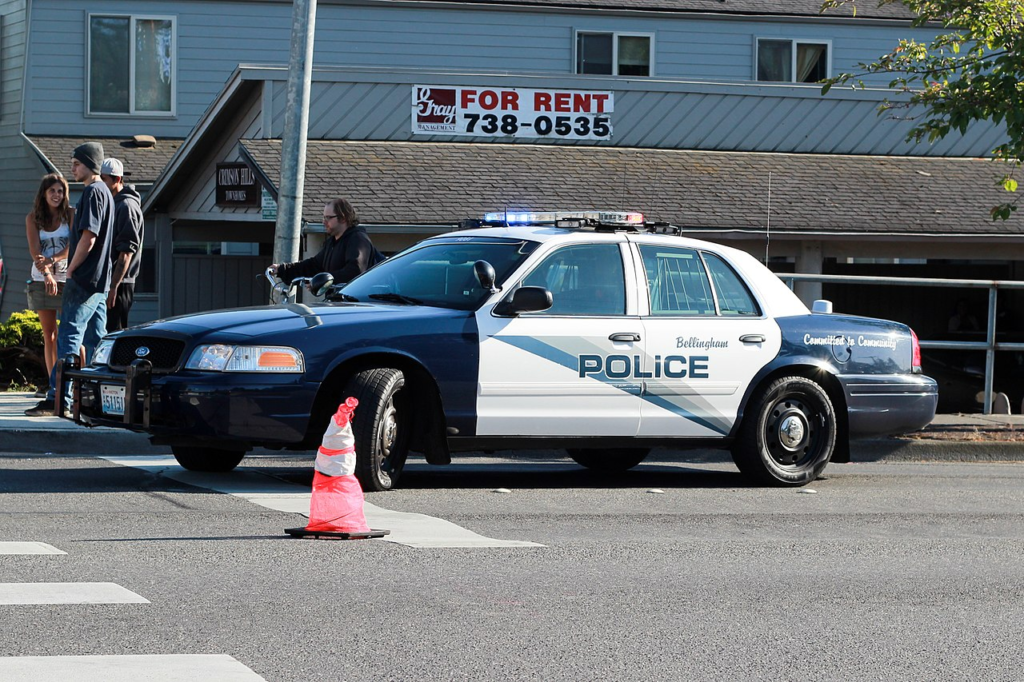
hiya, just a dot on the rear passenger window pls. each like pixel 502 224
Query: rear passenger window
pixel 677 281
pixel 733 296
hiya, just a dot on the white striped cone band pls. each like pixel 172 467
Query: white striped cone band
pixel 336 462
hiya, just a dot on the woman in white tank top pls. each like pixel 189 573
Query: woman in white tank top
pixel 48 229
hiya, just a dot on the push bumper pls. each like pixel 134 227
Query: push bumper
pixel 191 407
pixel 889 405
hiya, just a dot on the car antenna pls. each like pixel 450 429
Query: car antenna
pixel 768 229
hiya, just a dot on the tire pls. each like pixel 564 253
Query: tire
pixel 609 461
pixel 788 435
pixel 206 459
pixel 382 426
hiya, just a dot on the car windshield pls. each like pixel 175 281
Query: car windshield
pixel 439 273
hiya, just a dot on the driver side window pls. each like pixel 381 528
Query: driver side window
pixel 584 279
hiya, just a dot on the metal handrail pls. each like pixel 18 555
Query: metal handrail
pixel 989 345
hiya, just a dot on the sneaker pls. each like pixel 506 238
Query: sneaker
pixel 43 409
pixel 41 393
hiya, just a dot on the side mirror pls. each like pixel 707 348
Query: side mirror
pixel 484 272
pixel 525 300
pixel 320 283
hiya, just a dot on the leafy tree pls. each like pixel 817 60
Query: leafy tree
pixel 972 72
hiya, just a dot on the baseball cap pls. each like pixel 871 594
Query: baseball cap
pixel 112 167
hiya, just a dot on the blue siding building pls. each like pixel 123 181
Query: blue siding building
pixel 715 124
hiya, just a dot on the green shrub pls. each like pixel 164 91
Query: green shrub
pixel 21 351
pixel 22 329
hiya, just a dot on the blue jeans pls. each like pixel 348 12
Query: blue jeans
pixel 83 321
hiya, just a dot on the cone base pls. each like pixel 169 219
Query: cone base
pixel 336 534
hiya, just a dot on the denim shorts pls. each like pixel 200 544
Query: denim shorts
pixel 38 299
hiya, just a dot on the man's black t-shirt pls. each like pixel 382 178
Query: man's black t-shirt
pixel 95 213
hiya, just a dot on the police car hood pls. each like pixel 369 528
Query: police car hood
pixel 278 320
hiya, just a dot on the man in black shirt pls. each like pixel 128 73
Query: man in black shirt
pixel 83 315
pixel 347 250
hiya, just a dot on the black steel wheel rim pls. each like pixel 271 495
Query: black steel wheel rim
pixel 792 432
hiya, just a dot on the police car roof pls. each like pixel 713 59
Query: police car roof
pixel 546 233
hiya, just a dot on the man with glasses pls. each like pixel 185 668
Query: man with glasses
pixel 347 250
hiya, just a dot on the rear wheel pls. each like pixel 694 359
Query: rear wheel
pixel 788 435
pixel 609 461
pixel 196 458
pixel 382 426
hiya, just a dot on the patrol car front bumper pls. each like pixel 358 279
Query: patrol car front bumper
pixel 890 404
pixel 189 407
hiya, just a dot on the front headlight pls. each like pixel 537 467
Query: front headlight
pixel 102 355
pixel 221 358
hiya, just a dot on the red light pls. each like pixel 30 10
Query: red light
pixel 915 359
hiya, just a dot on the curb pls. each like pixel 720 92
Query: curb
pixel 924 450
pixel 74 442
pixel 106 441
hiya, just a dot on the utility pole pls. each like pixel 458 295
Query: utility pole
pixel 293 145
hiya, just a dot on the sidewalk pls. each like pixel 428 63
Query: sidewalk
pixel 54 435
pixel 954 437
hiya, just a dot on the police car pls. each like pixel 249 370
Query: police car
pixel 588 331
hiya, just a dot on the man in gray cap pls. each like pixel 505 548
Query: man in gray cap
pixel 83 313
pixel 128 232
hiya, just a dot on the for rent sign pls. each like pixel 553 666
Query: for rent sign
pixel 512 112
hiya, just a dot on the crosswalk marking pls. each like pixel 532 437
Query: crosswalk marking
pixel 67 593
pixel 410 530
pixel 28 548
pixel 156 668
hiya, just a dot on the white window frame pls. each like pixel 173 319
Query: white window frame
pixel 615 50
pixel 792 65
pixel 132 18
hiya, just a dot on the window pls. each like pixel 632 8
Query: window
pixel 677 281
pixel 613 54
pixel 680 283
pixel 131 65
pixel 586 279
pixel 441 274
pixel 791 61
pixel 733 296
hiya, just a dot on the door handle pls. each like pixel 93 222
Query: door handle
pixel 752 338
pixel 626 336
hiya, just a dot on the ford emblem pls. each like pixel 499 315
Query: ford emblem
pixel 141 351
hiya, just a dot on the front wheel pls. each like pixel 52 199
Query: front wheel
pixel 206 459
pixel 609 461
pixel 788 435
pixel 381 425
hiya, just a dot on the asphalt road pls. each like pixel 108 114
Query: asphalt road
pixel 885 571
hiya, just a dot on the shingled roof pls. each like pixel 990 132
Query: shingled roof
pixel 866 9
pixel 143 164
pixel 409 183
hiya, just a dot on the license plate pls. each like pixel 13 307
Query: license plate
pixel 112 399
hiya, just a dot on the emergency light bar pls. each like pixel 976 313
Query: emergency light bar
pixel 567 219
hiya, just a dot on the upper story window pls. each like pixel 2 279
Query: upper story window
pixel 131 65
pixel 613 54
pixel 792 61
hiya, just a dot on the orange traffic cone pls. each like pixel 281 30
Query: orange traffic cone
pixel 336 507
